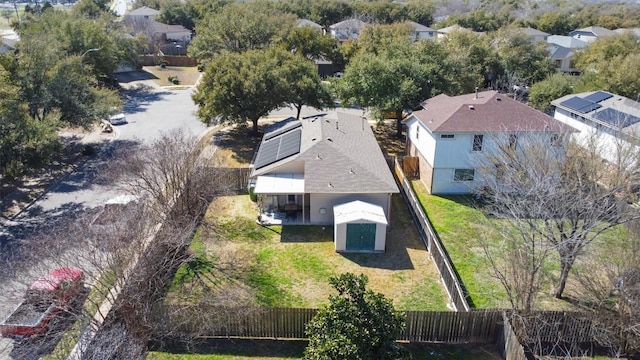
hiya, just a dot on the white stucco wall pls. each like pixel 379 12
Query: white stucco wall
pixel 608 145
pixel 425 142
pixel 328 201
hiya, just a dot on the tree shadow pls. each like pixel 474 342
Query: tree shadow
pixel 395 257
pixel 131 76
pixel 306 233
pixel 138 99
pixel 240 141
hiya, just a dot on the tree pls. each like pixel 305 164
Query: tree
pixel 395 81
pixel 239 27
pixel 357 324
pixel 177 13
pixel 305 86
pixel 526 61
pixel 474 60
pixel 25 143
pixel 241 87
pixel 421 11
pixel 613 291
pixel 567 197
pixel 597 73
pixel 313 44
pixel 553 87
pixel 328 12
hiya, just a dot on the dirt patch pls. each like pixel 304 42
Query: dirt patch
pixel 390 143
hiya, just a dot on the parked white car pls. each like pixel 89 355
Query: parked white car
pixel 117 119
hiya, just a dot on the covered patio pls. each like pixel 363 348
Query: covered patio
pixel 281 199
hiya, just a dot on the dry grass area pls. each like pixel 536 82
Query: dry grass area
pixel 187 75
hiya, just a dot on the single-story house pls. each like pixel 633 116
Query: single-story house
pixel 613 118
pixel 304 168
pixel 450 132
pixel 534 34
pixel 420 31
pixel 348 29
pixel 591 33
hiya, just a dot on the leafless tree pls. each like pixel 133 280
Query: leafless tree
pixel 555 192
pixel 610 284
pixel 130 252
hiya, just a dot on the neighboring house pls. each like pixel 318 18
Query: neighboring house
pixel 562 50
pixel 140 14
pixel 562 58
pixel 446 31
pixel 9 41
pixel 591 33
pixel 451 132
pixel 613 118
pixel 634 31
pixel 311 24
pixel 305 170
pixel 535 34
pixel 420 31
pixel 347 30
pixel 166 32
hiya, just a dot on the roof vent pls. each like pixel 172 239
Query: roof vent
pixel 318 157
pixel 471 107
pixel 330 185
pixel 313 139
pixel 330 139
pixel 498 99
pixel 351 171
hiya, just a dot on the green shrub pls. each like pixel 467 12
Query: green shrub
pixel 174 79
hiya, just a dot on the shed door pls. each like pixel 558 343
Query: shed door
pixel 361 237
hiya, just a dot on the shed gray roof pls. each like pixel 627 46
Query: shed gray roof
pixel 559 52
pixel 340 156
pixel 566 41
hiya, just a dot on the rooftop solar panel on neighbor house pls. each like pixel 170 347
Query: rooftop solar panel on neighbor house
pixel 278 147
pixel 580 105
pixel 286 127
pixel 598 96
pixel 616 118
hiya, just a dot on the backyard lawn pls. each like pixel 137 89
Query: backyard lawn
pixel 289 266
pixel 187 75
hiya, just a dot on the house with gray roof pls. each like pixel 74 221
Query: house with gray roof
pixel 591 33
pixel 420 31
pixel 534 34
pixel 613 119
pixel 311 24
pixel 450 133
pixel 349 29
pixel 562 50
pixel 304 168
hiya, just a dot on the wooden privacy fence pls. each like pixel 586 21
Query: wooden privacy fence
pixel 478 326
pixel 449 277
pixel 452 327
pixel 508 342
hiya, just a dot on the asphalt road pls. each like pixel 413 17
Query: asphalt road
pixel 149 112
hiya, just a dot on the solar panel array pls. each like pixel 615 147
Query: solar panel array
pixel 580 105
pixel 279 146
pixel 598 96
pixel 286 127
pixel 616 118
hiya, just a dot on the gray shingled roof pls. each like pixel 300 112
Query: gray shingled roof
pixel 349 24
pixel 488 111
pixel 595 30
pixel 339 156
pixel 419 27
pixel 144 11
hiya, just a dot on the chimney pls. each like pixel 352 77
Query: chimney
pixel 476 93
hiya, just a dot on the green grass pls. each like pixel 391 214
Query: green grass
pixel 272 350
pixel 289 266
pixel 453 218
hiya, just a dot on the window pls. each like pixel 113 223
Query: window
pixel 463 174
pixel 291 199
pixel 447 136
pixel 513 141
pixel 477 142
pixel 417 131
